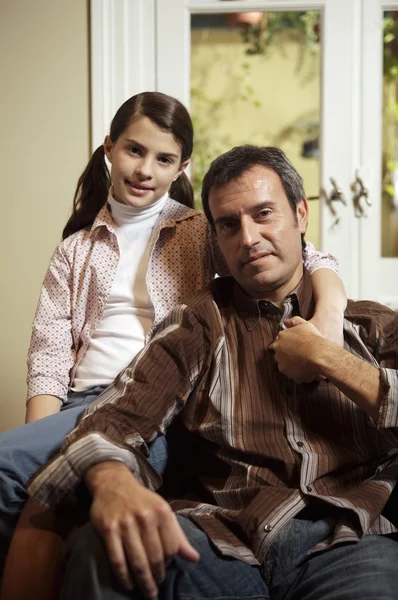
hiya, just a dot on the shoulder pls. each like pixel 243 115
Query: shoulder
pixel 374 320
pixel 218 293
pixel 177 214
pixel 68 246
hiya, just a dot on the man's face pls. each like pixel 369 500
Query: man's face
pixel 259 234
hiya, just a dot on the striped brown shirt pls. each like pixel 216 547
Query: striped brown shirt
pixel 254 447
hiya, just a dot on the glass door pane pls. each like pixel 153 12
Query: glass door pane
pixel 389 207
pixel 256 78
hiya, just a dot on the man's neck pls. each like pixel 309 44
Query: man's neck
pixel 278 295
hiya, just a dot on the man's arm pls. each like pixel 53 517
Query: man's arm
pixel 109 445
pixel 302 353
pixel 140 531
pixel 137 408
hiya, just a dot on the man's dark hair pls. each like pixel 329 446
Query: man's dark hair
pixel 232 164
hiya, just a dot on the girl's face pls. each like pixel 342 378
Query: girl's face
pixel 145 161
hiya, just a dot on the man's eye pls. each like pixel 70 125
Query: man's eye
pixel 135 150
pixel 227 225
pixel 265 213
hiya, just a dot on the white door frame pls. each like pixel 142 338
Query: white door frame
pixel 123 41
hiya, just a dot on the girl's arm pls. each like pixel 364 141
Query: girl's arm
pixel 41 406
pixel 51 356
pixel 329 293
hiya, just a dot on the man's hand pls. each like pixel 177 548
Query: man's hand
pixel 296 350
pixel 140 531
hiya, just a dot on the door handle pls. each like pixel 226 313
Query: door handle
pixel 360 191
pixel 336 195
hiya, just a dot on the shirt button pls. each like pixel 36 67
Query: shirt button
pixel 309 488
pixel 300 444
pixel 268 528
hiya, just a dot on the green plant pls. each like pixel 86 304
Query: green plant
pixel 275 27
pixel 390 104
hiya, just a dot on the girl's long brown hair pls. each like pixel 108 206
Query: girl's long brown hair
pixel 94 183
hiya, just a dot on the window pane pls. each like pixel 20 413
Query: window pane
pixel 390 131
pixel 255 78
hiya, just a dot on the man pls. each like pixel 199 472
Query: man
pixel 288 443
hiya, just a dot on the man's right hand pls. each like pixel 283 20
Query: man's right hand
pixel 140 531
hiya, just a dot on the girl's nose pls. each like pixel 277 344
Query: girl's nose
pixel 144 169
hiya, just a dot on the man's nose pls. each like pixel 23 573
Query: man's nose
pixel 145 168
pixel 249 233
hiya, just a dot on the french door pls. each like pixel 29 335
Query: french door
pixel 328 110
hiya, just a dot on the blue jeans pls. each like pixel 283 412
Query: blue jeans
pixel 366 570
pixel 27 448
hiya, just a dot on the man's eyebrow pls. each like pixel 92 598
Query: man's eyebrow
pixel 233 216
pixel 135 143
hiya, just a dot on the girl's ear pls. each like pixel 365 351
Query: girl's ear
pixel 108 145
pixel 182 168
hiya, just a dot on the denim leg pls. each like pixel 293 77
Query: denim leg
pixel 158 454
pixel 88 572
pixel 366 570
pixel 24 450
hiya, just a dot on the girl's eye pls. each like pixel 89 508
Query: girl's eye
pixel 135 150
pixel 165 160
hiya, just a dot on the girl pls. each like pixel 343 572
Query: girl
pixel 132 249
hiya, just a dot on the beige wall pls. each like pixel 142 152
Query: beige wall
pixel 44 125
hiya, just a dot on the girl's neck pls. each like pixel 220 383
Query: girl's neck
pixel 123 214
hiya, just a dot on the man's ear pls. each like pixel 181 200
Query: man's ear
pixel 182 168
pixel 302 215
pixel 108 146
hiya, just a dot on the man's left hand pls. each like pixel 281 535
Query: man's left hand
pixel 296 350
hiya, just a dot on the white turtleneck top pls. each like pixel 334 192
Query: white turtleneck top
pixel 129 312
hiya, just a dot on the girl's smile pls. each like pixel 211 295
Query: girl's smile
pixel 145 161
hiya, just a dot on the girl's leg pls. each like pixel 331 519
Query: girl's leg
pixel 24 450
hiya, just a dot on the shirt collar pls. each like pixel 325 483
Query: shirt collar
pixel 103 219
pixel 252 310
pixel 172 213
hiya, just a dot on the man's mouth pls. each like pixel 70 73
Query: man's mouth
pixel 256 257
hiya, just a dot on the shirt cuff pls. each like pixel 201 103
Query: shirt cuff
pixel 58 480
pixel 388 413
pixel 47 386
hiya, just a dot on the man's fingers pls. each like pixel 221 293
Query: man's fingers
pixel 186 550
pixel 137 560
pixel 154 547
pixel 169 531
pixel 294 321
pixel 175 541
pixel 117 559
